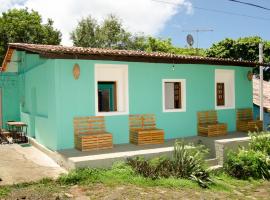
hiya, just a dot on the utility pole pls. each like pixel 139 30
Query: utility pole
pixel 261 80
pixel 197 31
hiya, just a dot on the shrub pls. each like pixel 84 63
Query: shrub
pixel 248 164
pixel 260 142
pixel 187 162
pixel 154 168
pixel 78 176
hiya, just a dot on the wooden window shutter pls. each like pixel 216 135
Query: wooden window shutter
pixel 177 95
pixel 220 94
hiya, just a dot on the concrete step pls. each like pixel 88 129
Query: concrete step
pixel 212 162
pixel 215 167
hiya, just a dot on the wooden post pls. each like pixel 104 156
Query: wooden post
pixel 261 80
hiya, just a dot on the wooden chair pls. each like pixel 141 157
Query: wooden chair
pixel 142 130
pixel 208 124
pixel 90 134
pixel 245 121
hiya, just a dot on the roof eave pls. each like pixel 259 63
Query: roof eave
pixel 7 59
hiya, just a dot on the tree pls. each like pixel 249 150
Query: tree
pixel 21 25
pixel 111 34
pixel 85 35
pixel 246 48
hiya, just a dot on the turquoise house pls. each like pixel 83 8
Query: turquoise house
pixel 47 86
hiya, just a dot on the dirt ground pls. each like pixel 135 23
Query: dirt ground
pixel 99 191
pixel 25 164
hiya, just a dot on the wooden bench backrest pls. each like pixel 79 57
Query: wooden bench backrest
pixel 207 117
pixel 89 125
pixel 244 114
pixel 142 121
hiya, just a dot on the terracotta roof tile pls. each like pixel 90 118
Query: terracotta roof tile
pixel 58 51
pixel 266 93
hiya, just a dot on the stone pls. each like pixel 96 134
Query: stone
pixel 68 195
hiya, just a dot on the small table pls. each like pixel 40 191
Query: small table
pixel 17 131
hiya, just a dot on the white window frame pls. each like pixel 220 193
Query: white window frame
pixel 231 90
pixel 183 95
pixel 125 89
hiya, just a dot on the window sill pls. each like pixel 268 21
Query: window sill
pixel 224 108
pixel 174 110
pixel 111 113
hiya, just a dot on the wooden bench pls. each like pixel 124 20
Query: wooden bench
pixel 90 134
pixel 245 121
pixel 208 124
pixel 142 130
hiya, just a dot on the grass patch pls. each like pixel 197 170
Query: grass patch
pixel 4 191
pixel 226 183
pixel 120 174
pixel 43 187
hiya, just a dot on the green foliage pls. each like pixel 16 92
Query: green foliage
pixel 253 162
pixel 246 48
pixel 21 25
pixel 111 34
pixel 120 173
pixel 4 191
pixel 187 162
pixel 247 164
pixel 165 45
pixel 260 142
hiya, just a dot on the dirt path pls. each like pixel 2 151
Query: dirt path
pixel 24 164
pixel 131 192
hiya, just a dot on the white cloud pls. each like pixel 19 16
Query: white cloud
pixel 145 16
pixel 6 4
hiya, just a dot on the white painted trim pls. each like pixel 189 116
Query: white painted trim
pixel 125 85
pixel 183 95
pixel 111 113
pixel 1 108
pixel 225 72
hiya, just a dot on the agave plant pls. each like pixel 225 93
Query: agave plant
pixel 187 162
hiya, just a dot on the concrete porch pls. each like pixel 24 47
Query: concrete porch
pixel 73 158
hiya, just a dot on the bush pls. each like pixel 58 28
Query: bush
pixel 260 142
pixel 187 162
pixel 248 163
pixel 79 176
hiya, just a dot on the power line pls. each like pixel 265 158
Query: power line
pixel 217 11
pixel 250 4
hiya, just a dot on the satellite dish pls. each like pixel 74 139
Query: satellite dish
pixel 190 40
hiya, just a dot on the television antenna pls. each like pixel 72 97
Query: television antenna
pixel 197 31
pixel 190 40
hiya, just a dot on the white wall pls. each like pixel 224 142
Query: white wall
pixel 118 74
pixel 226 77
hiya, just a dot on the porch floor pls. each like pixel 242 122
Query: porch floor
pixel 103 158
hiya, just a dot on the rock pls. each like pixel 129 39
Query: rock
pixel 68 195
pixel 1 179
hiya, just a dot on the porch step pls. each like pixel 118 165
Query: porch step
pixel 215 167
pixel 212 162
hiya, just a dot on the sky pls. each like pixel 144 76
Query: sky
pixel 174 19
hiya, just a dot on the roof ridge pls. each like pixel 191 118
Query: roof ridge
pixel 72 52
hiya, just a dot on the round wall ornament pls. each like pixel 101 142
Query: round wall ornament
pixel 249 75
pixel 76 71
